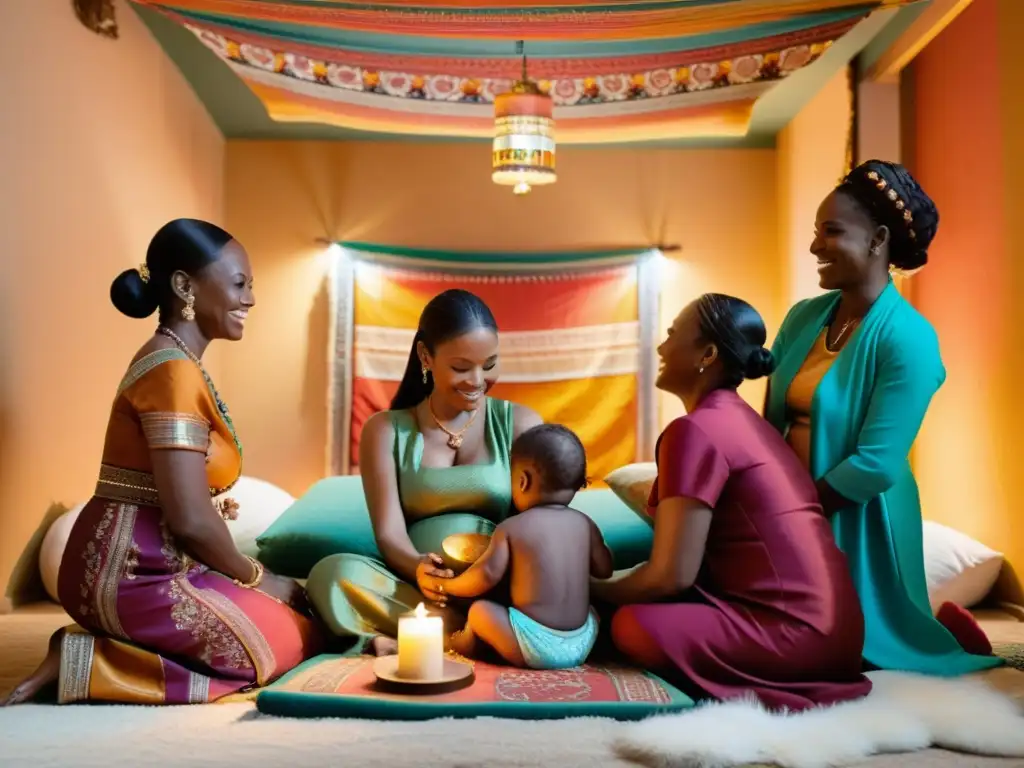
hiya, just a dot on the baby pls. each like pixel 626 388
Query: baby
pixel 549 551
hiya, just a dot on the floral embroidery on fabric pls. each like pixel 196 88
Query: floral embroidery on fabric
pixel 219 646
pixel 106 561
pixel 131 561
pixel 173 556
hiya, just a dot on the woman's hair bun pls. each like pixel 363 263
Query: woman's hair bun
pixel 760 363
pixel 131 295
pixel 909 260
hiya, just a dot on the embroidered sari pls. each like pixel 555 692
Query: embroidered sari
pixel 153 625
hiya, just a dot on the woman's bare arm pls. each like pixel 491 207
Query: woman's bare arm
pixel 380 484
pixel 180 477
pixel 681 528
pixel 524 418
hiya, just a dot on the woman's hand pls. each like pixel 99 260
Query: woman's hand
pixel 287 590
pixel 430 569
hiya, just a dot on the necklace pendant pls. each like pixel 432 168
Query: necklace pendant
pixel 454 442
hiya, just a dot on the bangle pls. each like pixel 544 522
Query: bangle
pixel 257 568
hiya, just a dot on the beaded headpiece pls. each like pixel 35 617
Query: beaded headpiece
pixel 883 186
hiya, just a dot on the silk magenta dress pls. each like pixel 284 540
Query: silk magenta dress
pixel 153 625
pixel 773 611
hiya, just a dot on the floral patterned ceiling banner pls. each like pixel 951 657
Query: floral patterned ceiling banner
pixel 616 71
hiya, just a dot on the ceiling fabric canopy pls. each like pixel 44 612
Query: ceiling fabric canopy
pixel 617 71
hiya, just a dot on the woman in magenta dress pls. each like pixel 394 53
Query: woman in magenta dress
pixel 745 590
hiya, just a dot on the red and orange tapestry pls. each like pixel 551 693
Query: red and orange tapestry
pixel 575 341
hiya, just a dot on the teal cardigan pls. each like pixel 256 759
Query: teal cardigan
pixel 865 415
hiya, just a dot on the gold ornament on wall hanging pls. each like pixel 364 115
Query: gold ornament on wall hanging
pixel 97 16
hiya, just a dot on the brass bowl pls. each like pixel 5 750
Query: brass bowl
pixel 461 550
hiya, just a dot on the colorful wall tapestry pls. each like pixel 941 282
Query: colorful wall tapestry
pixel 576 330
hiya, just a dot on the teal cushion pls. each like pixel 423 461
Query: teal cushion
pixel 332 518
pixel 329 518
pixel 626 534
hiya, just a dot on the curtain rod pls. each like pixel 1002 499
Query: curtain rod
pixel 669 248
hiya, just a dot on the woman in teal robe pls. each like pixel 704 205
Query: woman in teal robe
pixel 435 465
pixel 856 370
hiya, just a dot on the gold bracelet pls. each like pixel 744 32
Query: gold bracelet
pixel 257 567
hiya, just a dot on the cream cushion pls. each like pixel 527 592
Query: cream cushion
pixel 958 569
pixel 52 549
pixel 632 484
pixel 259 505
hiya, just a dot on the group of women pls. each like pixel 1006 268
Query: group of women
pixel 787 546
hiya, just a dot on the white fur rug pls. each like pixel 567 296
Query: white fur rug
pixel 903 713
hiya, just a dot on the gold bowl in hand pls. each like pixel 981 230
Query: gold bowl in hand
pixel 461 550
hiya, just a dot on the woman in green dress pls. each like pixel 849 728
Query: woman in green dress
pixel 434 465
pixel 857 368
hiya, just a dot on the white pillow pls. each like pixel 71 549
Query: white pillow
pixel 632 484
pixel 958 569
pixel 52 549
pixel 259 505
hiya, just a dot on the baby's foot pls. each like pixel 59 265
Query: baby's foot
pixel 383 646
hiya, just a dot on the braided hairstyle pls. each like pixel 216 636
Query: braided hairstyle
pixel 892 198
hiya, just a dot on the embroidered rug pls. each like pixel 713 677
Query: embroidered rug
pixel 338 686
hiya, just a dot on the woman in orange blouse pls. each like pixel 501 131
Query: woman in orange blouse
pixel 167 610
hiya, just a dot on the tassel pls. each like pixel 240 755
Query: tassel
pixel 98 16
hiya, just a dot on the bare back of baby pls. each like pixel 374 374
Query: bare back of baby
pixel 553 551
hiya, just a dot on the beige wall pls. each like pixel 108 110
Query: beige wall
pixel 100 143
pixel 971 161
pixel 717 206
pixel 812 152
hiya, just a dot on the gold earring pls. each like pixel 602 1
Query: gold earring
pixel 187 312
pixel 700 370
pixel 425 372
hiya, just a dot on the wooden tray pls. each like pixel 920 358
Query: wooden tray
pixel 455 676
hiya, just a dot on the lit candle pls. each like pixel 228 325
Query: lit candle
pixel 420 645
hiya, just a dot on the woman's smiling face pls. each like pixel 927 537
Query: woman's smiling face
pixel 464 368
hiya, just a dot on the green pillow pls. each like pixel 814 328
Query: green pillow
pixel 332 517
pixel 627 535
pixel 329 518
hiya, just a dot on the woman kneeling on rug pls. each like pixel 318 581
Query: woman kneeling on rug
pixel 436 464
pixel 168 610
pixel 745 590
pixel 857 368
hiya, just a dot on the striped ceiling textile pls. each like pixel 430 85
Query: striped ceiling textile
pixel 576 340
pixel 617 71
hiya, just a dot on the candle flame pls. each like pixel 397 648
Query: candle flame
pixel 421 611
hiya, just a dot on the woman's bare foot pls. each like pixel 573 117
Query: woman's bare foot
pixel 46 675
pixel 383 646
pixel 463 642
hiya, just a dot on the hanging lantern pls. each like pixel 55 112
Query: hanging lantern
pixel 523 153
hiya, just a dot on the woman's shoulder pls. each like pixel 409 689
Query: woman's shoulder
pixel 512 419
pixel 811 308
pixel 161 367
pixel 907 333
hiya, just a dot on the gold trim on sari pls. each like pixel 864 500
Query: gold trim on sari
pixel 185 431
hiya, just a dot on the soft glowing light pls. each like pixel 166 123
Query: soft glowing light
pixel 523 151
pixel 420 645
